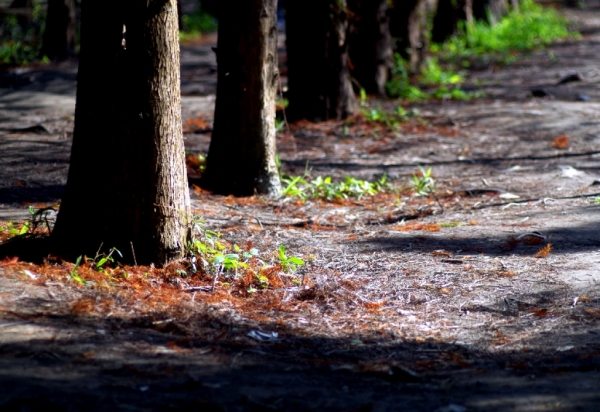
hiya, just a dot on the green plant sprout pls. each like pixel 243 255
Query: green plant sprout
pixel 324 188
pixel 289 263
pixel 74 273
pixel 423 183
pixel 218 259
pixel 101 259
pixel 432 82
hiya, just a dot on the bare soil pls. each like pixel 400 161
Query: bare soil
pixel 447 303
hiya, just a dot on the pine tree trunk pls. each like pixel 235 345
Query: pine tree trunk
pixel 242 154
pixel 409 27
pixel 491 11
pixel 58 41
pixel 370 44
pixel 317 50
pixel 447 16
pixel 127 186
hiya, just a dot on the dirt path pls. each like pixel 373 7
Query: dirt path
pixel 410 306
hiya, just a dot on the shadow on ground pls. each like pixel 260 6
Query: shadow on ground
pixel 208 363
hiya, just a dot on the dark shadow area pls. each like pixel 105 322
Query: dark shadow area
pixel 208 363
pixel 55 81
pixel 35 194
pixel 488 161
pixel 564 240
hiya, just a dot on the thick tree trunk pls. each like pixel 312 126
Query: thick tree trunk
pixel 127 186
pixel 242 154
pixel 409 27
pixel 58 41
pixel 318 74
pixel 370 44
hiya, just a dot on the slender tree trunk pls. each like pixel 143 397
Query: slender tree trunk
pixel 409 26
pixel 318 73
pixel 491 11
pixel 514 4
pixel 127 186
pixel 469 11
pixel 58 41
pixel 242 154
pixel 370 44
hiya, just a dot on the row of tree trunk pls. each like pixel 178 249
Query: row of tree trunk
pixel 127 174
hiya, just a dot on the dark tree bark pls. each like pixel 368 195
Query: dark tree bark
pixel 409 27
pixel 127 186
pixel 58 41
pixel 317 51
pixel 242 154
pixel 445 21
pixel 370 44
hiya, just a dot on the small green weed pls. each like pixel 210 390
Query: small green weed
pixel 279 124
pixel 432 82
pixel 325 188
pixel 289 263
pixel 101 260
pixel 423 182
pixel 210 255
pixel 74 273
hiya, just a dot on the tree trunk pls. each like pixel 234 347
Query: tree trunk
pixel 127 186
pixel 317 51
pixel 491 11
pixel 58 41
pixel 370 44
pixel 242 155
pixel 409 26
pixel 447 16
pixel 514 5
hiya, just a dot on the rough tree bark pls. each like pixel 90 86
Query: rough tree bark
pixel 409 27
pixel 58 41
pixel 127 186
pixel 242 155
pixel 370 44
pixel 319 81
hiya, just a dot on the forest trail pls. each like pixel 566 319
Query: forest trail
pixel 410 303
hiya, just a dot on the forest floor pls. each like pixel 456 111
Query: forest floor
pixel 447 303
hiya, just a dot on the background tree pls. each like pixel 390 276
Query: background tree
pixel 370 44
pixel 447 16
pixel 127 186
pixel 242 154
pixel 409 26
pixel 319 81
pixel 58 41
pixel 491 11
